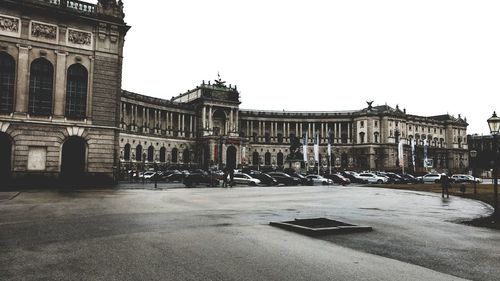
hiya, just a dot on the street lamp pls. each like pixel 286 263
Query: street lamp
pixel 494 124
pixel 473 155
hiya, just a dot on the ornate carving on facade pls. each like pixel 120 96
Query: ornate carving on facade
pixel 79 37
pixel 9 25
pixel 43 31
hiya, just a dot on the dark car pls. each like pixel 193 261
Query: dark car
pixel 201 177
pixel 303 180
pixel 353 178
pixel 174 177
pixel 338 179
pixel 394 178
pixel 285 179
pixel 264 178
pixel 409 178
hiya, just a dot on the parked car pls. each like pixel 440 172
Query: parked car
pixel 285 179
pixel 409 178
pixel 149 175
pixel 431 178
pixel 317 179
pixel 353 177
pixel 176 176
pixel 205 178
pixel 338 179
pixel 461 178
pixel 264 178
pixel 241 178
pixel 372 178
pixel 303 180
pixel 395 178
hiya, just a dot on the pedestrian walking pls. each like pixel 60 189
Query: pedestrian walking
pixel 445 185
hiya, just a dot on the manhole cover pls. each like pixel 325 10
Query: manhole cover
pixel 320 226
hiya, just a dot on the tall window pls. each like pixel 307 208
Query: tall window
pixel 138 153
pixel 175 153
pixel 267 158
pixel 255 158
pixel 41 87
pixel 151 153
pixel 76 91
pixel 126 153
pixel 7 81
pixel 162 154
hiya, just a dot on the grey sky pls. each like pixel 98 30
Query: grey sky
pixel 430 57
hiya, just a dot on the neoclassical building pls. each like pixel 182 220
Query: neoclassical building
pixel 205 127
pixel 63 113
pixel 60 88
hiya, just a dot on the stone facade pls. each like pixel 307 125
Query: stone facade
pixel 208 122
pixel 63 37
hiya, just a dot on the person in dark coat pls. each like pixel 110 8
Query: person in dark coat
pixel 224 177
pixel 231 177
pixel 445 184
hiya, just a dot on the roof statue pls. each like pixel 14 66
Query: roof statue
pixel 219 81
pixel 370 105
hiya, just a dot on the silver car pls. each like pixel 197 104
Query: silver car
pixel 242 178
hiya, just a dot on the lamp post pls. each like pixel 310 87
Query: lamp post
pixel 494 124
pixel 473 155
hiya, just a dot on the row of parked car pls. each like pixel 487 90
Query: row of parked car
pixel 291 178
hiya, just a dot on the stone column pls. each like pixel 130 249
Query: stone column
pixel 231 120
pixel 60 85
pixel 179 130
pixel 300 131
pixel 236 120
pixel 210 119
pixel 297 130
pixel 259 131
pixel 204 118
pixel 22 93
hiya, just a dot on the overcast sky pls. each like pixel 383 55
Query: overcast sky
pixel 430 57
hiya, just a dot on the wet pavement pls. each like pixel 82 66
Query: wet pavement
pixel 223 234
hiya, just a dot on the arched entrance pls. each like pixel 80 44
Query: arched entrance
pixel 74 158
pixel 219 120
pixel 231 157
pixel 5 156
pixel 280 159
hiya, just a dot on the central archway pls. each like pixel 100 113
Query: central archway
pixel 5 156
pixel 231 157
pixel 74 158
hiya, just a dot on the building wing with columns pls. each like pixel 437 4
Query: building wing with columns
pixel 205 128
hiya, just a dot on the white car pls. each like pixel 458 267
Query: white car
pixel 465 178
pixel 148 175
pixel 372 178
pixel 241 178
pixel 432 178
pixel 319 179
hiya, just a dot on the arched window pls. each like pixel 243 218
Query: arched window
pixel 280 159
pixel 362 137
pixel 7 82
pixel 138 153
pixel 76 91
pixel 41 87
pixel 162 154
pixel 151 153
pixel 255 158
pixel 174 155
pixel 126 152
pixel 267 157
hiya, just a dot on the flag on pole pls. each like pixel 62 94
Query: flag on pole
pixel 425 152
pixel 400 153
pixel 316 147
pixel 304 146
pixel 413 154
